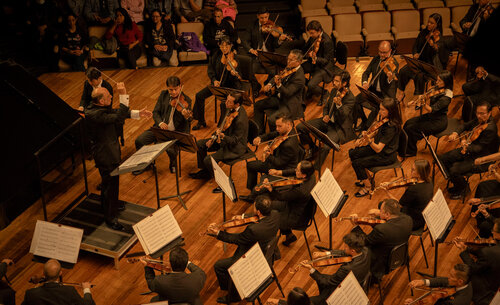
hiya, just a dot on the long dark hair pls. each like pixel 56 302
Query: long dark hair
pixel 127 22
pixel 297 296
pixel 447 79
pixel 423 169
pixel 394 115
pixel 439 21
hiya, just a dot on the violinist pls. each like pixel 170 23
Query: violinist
pixel 393 232
pixel 262 232
pixel 382 144
pixel 418 193
pixel 221 74
pixel 7 294
pixel 291 201
pixel 287 96
pixel 177 286
pixel 383 69
pixel 459 278
pixel 479 140
pixel 229 140
pixel 336 121
pixel 172 112
pixel 354 246
pixel 485 87
pixel 435 109
pixel 55 291
pixel 484 269
pixel 284 156
pixel 429 48
pixel 476 16
pixel 319 51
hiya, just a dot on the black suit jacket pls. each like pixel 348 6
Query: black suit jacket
pixel 212 32
pixel 7 294
pixel 342 115
pixel 101 126
pixel 290 93
pixel 360 266
pixel 461 297
pixel 383 238
pixel 86 99
pixel 178 287
pixel 162 111
pixel 429 55
pixel 286 155
pixel 388 89
pixel 234 143
pixel 261 232
pixel 486 143
pixel 469 17
pixel 257 38
pixel 414 200
pixel 53 293
pixel 215 69
pixel 325 57
pixel 484 272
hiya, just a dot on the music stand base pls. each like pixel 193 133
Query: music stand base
pixel 178 196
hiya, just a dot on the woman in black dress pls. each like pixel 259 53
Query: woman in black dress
pixel 381 147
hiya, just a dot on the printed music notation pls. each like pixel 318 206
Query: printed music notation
pixel 223 181
pixel 327 193
pixel 144 155
pixel 437 215
pixel 56 241
pixel 348 292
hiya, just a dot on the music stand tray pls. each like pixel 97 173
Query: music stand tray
pixel 435 160
pixel 272 60
pixel 460 39
pixel 321 136
pixel 369 96
pixel 222 92
pixel 429 71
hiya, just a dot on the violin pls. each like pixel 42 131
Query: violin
pixel 36 279
pixel 234 223
pixel 487 159
pixel 478 242
pixel 397 184
pixel 473 135
pixel 281 76
pixel 152 263
pixel 371 132
pixel 277 31
pixel 226 123
pixel 432 296
pixel 490 206
pixel 314 48
pixel 180 103
pixel 327 260
pixel 230 63
pixel 284 181
pixel 387 66
pixel 422 99
pixel 275 143
pixel 362 220
pixel 433 35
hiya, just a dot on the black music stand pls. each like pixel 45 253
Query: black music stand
pixel 185 140
pixel 369 96
pixel 256 295
pixel 227 186
pixel 441 239
pixel 435 161
pixel 272 60
pixel 460 40
pixel 429 71
pixel 321 137
pixel 222 92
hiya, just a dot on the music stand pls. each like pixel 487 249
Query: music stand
pixel 222 92
pixel 417 66
pixel 182 140
pixel 272 60
pixel 226 184
pixel 369 96
pixel 322 138
pixel 460 40
pixel 435 161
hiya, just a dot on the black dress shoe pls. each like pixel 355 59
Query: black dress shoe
pixel 115 225
pixel 202 174
pixel 172 169
pixel 289 240
pixel 360 184
pixel 359 194
pixel 217 190
pixel 248 198
pixel 199 126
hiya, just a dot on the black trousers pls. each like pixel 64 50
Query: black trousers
pixel 203 158
pixel 272 103
pixel 486 189
pixel 253 168
pixel 359 113
pixel 148 137
pixel 130 55
pixel 285 223
pixel 365 157
pixel 331 131
pixel 457 165
pixel 317 75
pixel 7 294
pixel 225 282
pixel 109 193
pixel 406 74
pixel 199 104
pixel 415 126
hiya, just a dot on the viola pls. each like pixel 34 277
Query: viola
pixel 478 242
pixel 152 263
pixel 234 223
pixel 37 279
pixel 433 296
pixel 327 260
pixel 284 181
pixel 422 99
pixel 371 132
pixel 230 63
pixel 180 103
pixel 226 123
pixel 398 184
pixel 277 31
pixel 275 143
pixel 362 220
pixel 473 135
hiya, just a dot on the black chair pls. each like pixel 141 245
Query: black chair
pixel 309 219
pixel 253 132
pixel 341 52
pixel 269 253
pixel 403 142
pixel 397 258
pixel 246 70
pixel 467 109
pixel 419 233
pixel 453 125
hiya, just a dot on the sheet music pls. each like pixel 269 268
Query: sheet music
pixel 223 181
pixel 145 154
pixel 327 193
pixel 157 230
pixel 348 292
pixel 250 271
pixel 437 215
pixel 56 241
pixel 496 299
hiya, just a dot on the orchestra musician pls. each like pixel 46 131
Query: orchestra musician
pixel 101 120
pixel 393 232
pixel 458 277
pixel 7 294
pixel 418 193
pixel 296 296
pixel 229 140
pixel 319 51
pixel 480 140
pixel 284 156
pixel 54 292
pixel 430 48
pixel 337 120
pixel 291 202
pixel 484 269
pixel 177 286
pixel 383 69
pixel 379 147
pixel 354 246
pixel 223 71
pixel 262 232
pixel 287 96
pixel 476 16
pixel 171 112
pixel 434 108
pixel 485 87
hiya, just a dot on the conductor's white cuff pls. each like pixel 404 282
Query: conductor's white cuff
pixel 134 114
pixel 124 99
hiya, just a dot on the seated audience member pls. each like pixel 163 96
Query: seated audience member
pixel 128 36
pixel 163 6
pixel 216 29
pixel 177 286
pixel 7 294
pixel 160 42
pixel 54 292
pixel 100 12
pixel 135 9
pixel 73 45
pixel 190 11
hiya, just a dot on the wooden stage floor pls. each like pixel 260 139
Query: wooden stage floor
pixel 124 286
